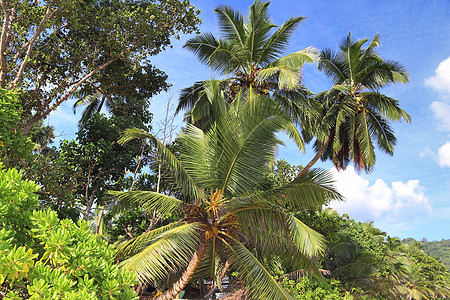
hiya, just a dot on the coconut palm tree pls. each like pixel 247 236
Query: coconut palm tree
pixel 249 56
pixel 227 219
pixel 356 116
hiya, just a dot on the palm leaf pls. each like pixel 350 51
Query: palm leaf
pixel 202 46
pixel 295 135
pixel 148 200
pixel 257 30
pixel 189 96
pixel 278 42
pixel 231 23
pixel 248 142
pixel 258 281
pixel 169 251
pixel 308 240
pixel 182 177
pixel 308 191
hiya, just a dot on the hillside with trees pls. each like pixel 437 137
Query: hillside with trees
pixel 438 249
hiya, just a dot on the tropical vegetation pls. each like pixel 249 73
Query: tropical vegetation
pixel 125 210
pixel 219 174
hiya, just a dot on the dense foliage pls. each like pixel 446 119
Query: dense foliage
pixel 438 249
pixel 42 256
pixel 13 146
pixel 51 49
pixel 214 203
pixel 218 175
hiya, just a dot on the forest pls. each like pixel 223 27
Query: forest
pixel 129 211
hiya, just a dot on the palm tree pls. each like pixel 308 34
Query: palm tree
pixel 356 115
pixel 94 103
pixel 227 219
pixel 248 54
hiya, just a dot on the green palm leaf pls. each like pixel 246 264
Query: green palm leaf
pixel 148 200
pixel 182 177
pixel 260 284
pixel 308 191
pixel 231 23
pixel 167 252
pixel 278 42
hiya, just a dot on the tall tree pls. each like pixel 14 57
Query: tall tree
pixel 356 115
pixel 53 48
pixel 249 54
pixel 100 163
pixel 226 215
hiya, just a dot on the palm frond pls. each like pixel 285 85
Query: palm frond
pixel 258 281
pixel 257 29
pixel 308 191
pixel 299 105
pixel 278 42
pixel 203 46
pixel 248 142
pixel 169 251
pixel 388 107
pixel 307 239
pixel 297 59
pixel 148 200
pixel 231 23
pixel 295 135
pixel 127 248
pixel 182 177
pixel 189 96
pixel 382 131
pixel 332 66
pixel 227 58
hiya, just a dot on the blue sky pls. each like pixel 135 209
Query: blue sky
pixel 408 194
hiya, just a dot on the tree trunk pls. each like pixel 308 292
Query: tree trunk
pixel 99 220
pixel 318 155
pixel 89 204
pixel 214 286
pixel 187 275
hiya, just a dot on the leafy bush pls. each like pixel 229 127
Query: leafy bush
pixel 13 145
pixel 308 288
pixel 43 257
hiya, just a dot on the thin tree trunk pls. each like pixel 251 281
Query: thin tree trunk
pixel 89 204
pixel 187 275
pixel 40 28
pixel 99 220
pixel 222 274
pixel 7 21
pixel 317 156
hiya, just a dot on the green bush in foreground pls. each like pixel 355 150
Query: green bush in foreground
pixel 43 257
pixel 309 288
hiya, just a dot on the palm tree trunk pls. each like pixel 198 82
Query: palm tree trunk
pixel 318 155
pixel 187 275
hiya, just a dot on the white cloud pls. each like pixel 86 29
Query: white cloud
pixel 444 155
pixel 441 79
pixel 394 204
pixel 440 82
pixel 441 112
pixel 426 152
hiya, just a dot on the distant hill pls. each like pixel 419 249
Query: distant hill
pixel 439 249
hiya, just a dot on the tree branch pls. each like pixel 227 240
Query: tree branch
pixel 7 21
pixel 46 112
pixel 48 15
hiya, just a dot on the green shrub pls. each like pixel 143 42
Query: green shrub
pixel 43 257
pixel 308 288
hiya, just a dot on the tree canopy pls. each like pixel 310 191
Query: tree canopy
pixel 51 49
